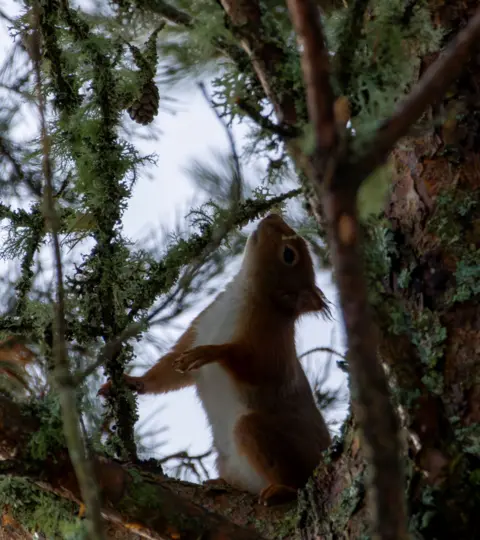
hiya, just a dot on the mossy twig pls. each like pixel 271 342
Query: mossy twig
pixel 71 421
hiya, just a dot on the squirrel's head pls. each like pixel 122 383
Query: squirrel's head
pixel 280 266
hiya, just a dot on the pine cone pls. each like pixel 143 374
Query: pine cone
pixel 144 110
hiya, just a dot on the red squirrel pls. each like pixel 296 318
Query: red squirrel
pixel 240 353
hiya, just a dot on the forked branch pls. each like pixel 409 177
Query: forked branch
pixel 372 405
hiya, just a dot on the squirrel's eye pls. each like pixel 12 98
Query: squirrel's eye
pixel 289 255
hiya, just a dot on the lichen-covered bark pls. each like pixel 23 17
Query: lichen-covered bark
pixel 136 498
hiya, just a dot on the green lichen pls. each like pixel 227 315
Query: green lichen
pixel 350 499
pixel 48 439
pixel 467 276
pixel 41 512
pixel 385 61
pixel 455 210
pixel 379 248
pixel 373 192
pixel 429 336
pixel 468 437
pixel 287 526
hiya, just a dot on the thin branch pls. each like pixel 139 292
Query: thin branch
pixel 170 12
pixel 3 15
pixel 431 87
pixel 231 140
pixel 189 462
pixel 71 421
pixel 316 71
pixel 184 455
pixel 268 56
pixel 285 131
pixel 182 18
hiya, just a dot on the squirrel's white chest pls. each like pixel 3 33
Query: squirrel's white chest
pixel 215 388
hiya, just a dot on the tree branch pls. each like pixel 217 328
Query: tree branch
pixel 71 422
pixel 158 280
pixel 349 37
pixel 285 131
pixel 150 504
pixel 316 72
pixel 268 56
pixel 432 86
pixel 182 18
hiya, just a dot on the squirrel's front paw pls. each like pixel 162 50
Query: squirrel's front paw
pixel 189 361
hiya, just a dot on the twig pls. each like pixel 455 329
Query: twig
pixel 268 56
pixel 187 461
pixel 316 71
pixel 168 11
pixel 350 35
pixel 373 408
pixel 17 168
pixel 285 131
pixel 237 191
pixel 71 421
pixel 184 455
pixel 3 15
pixel 432 86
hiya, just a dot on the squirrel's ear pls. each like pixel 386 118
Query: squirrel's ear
pixel 313 300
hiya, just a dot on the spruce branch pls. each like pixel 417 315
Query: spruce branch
pixel 71 420
pixel 182 18
pixel 25 283
pixel 165 273
pixel 166 10
pixel 268 57
pixel 7 152
pixel 106 207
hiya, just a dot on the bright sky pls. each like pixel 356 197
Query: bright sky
pixel 192 133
